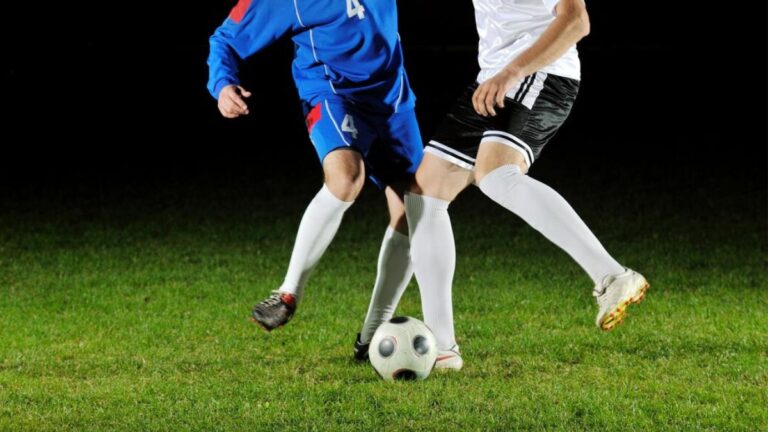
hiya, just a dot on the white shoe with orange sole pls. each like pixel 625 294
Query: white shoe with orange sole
pixel 615 294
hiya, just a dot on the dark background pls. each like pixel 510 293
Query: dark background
pixel 100 94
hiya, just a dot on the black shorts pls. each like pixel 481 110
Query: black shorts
pixel 527 122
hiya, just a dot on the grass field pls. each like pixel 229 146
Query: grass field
pixel 129 311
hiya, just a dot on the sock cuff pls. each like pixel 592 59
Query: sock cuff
pixel 327 196
pixel 505 171
pixel 424 203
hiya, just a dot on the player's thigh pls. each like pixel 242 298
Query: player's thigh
pixel 451 154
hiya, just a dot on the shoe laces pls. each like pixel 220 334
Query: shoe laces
pixel 272 300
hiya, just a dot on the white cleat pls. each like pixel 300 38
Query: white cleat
pixel 615 294
pixel 449 359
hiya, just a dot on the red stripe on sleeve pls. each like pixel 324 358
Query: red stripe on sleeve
pixel 238 12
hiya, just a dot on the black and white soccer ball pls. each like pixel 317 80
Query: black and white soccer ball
pixel 403 348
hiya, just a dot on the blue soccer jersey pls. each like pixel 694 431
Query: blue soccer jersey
pixel 345 49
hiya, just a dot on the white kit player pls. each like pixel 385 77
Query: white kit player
pixel 496 130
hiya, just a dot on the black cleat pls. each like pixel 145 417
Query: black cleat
pixel 361 350
pixel 275 311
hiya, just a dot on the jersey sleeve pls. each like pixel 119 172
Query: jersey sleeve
pixel 551 5
pixel 251 26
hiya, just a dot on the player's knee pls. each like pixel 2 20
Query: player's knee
pixel 482 170
pixel 346 186
pixel 505 178
pixel 443 183
pixel 432 189
pixel 344 174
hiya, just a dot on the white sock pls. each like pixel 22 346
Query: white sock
pixel 548 212
pixel 393 273
pixel 434 260
pixel 318 226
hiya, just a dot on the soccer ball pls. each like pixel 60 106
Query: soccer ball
pixel 403 348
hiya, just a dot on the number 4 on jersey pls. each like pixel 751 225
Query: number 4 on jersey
pixel 354 8
pixel 348 125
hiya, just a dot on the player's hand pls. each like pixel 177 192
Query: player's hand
pixel 491 93
pixel 232 101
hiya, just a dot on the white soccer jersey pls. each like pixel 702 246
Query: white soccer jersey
pixel 509 27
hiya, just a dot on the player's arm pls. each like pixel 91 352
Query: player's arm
pixel 251 26
pixel 570 25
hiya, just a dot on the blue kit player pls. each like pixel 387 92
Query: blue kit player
pixel 359 107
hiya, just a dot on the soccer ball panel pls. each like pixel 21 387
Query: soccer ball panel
pixel 403 348
pixel 386 347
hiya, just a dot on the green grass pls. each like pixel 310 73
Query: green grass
pixel 129 311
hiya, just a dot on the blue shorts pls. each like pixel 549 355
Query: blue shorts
pixel 390 144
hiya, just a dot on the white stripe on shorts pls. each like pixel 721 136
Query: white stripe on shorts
pixel 535 89
pixel 446 153
pixel 513 142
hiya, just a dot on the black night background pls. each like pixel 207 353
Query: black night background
pixel 119 91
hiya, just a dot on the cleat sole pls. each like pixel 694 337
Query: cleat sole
pixel 617 316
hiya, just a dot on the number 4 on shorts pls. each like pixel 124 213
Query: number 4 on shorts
pixel 348 125
pixel 354 8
